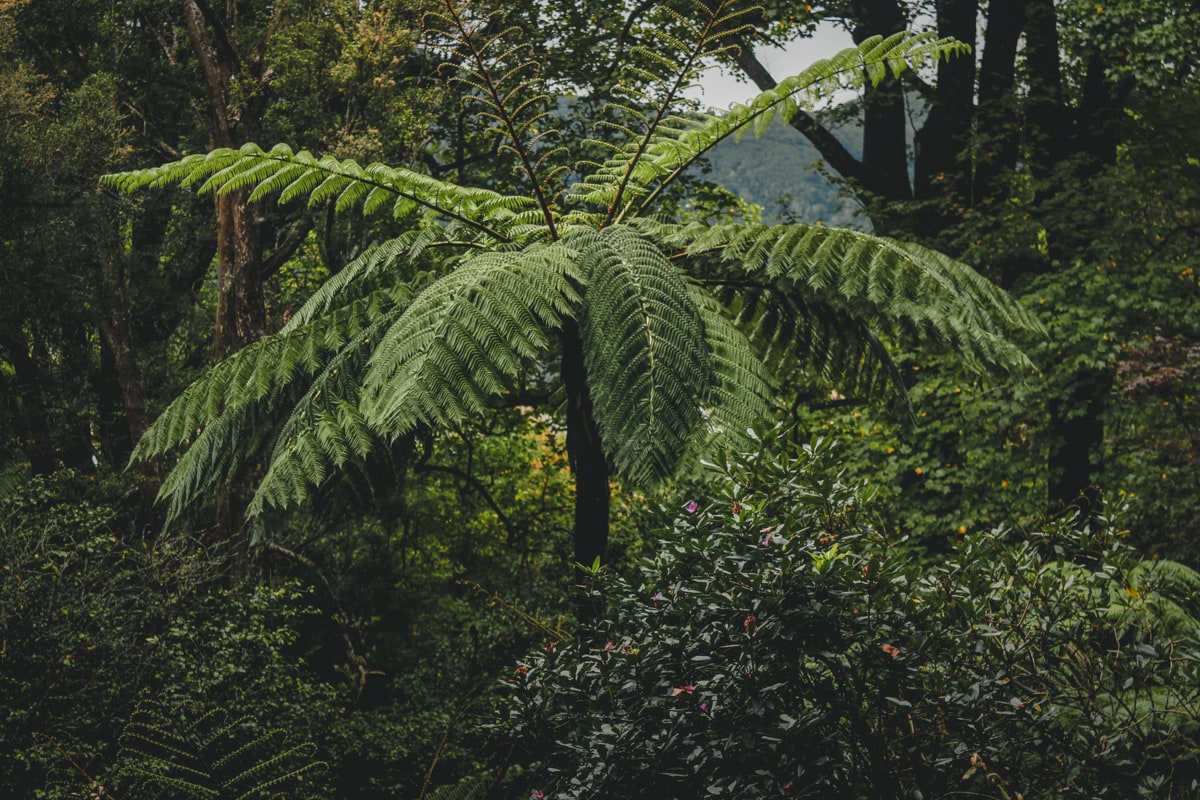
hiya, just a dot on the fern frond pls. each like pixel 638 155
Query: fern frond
pixel 223 416
pixel 466 335
pixel 900 289
pixel 493 64
pixel 646 356
pixel 829 343
pixel 472 787
pixel 324 428
pixel 668 156
pixel 290 176
pixel 181 752
pixel 623 177
pixel 743 388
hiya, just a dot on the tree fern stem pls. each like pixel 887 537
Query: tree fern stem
pixel 585 454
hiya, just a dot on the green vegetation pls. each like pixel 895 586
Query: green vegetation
pixel 527 442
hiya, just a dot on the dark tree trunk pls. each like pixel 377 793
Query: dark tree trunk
pixel 885 124
pixel 589 467
pixel 997 137
pixel 1076 447
pixel 1046 111
pixel 119 362
pixel 941 169
pixel 26 407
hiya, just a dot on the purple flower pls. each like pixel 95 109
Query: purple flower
pixel 658 596
pixel 704 706
pixel 692 506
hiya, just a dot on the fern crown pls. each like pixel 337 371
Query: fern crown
pixel 682 326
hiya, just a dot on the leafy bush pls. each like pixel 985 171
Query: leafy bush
pixel 91 614
pixel 779 646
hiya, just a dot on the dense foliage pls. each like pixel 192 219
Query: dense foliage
pixel 987 592
pixel 777 644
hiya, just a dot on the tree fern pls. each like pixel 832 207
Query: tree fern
pixel 665 332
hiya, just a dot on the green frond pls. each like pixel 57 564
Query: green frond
pixel 647 360
pixel 184 752
pixel 292 176
pixel 743 389
pixel 472 787
pixel 670 153
pixel 324 428
pixel 494 67
pixel 466 335
pixel 825 342
pixel 1168 588
pixel 224 417
pixel 901 290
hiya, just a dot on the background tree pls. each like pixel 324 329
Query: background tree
pixel 1009 153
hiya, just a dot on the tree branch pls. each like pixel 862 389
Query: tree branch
pixel 826 143
pixel 287 248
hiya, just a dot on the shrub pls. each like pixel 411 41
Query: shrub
pixel 779 646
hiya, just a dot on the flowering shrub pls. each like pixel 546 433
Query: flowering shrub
pixel 778 646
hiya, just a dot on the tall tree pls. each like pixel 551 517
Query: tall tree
pixel 573 271
pixel 1033 117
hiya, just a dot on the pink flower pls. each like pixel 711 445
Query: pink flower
pixel 749 618
pixel 687 689
pixel 609 645
pixel 692 506
pixel 737 508
pixel 538 795
pixel 658 596
pixel 767 541
pixel 704 706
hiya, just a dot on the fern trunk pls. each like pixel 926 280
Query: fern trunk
pixel 589 467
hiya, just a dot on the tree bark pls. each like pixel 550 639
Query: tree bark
pixel 885 123
pixel 1076 446
pixel 589 467
pixel 241 310
pixel 996 149
pixel 26 407
pixel 119 347
pixel 941 165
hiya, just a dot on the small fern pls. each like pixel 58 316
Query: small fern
pixel 190 752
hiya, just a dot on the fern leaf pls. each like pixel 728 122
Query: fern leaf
pixel 324 428
pixel 466 335
pixel 900 290
pixel 669 155
pixel 742 389
pixel 646 356
pixel 291 175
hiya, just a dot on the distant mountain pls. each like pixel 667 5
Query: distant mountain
pixel 779 171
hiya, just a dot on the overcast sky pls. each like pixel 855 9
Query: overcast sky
pixel 721 90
